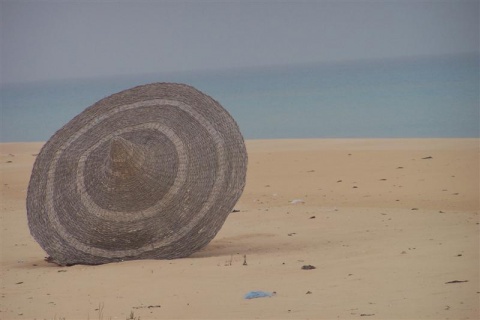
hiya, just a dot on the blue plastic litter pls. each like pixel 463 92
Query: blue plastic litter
pixel 258 294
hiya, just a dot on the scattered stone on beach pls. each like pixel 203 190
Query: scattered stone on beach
pixel 309 292
pixel 308 267
pixel 312 217
pixel 456 281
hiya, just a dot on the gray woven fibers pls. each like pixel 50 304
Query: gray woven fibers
pixel 148 173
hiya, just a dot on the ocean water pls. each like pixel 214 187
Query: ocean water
pixel 405 98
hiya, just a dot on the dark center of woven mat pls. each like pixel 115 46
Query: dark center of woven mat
pixel 139 181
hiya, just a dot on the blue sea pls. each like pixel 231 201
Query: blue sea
pixel 427 97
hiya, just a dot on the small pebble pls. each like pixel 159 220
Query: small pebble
pixel 308 267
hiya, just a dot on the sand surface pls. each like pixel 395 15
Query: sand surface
pixel 388 224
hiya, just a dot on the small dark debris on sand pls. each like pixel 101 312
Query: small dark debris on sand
pixel 429 157
pixel 235 210
pixel 312 217
pixel 308 267
pixel 367 314
pixel 456 281
pixel 309 292
pixel 148 307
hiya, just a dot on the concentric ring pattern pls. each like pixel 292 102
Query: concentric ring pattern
pixel 148 173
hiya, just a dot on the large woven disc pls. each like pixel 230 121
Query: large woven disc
pixel 148 173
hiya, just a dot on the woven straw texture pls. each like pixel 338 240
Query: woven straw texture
pixel 148 173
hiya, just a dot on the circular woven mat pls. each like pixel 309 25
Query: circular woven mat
pixel 148 173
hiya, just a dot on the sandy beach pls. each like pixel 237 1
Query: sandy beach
pixel 391 227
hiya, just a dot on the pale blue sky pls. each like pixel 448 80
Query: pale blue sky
pixel 42 40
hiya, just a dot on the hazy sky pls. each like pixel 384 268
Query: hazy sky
pixel 71 39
